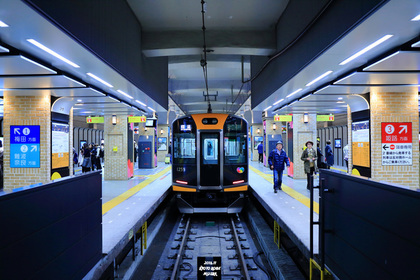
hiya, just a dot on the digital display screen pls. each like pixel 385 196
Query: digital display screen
pixel 185 127
pixel 150 123
pixel 337 142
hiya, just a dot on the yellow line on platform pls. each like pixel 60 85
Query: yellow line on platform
pixel 122 197
pixel 296 195
pixel 335 168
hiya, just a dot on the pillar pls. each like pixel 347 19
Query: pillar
pixel 302 132
pixel 394 107
pixel 27 110
pixel 162 132
pixel 115 147
pixel 349 140
pixel 255 128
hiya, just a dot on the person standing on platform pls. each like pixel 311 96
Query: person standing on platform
pixel 319 155
pixel 346 155
pixel 309 158
pixel 86 164
pixel 329 155
pixel 260 149
pixel 276 160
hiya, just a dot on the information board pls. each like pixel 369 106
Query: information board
pixel 24 146
pixel 325 118
pixel 361 143
pixel 137 119
pixel 397 144
pixel 283 118
pixel 94 119
pixel 60 145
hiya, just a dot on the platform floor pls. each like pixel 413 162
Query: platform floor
pixel 124 203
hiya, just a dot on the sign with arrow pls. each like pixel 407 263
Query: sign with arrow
pixel 24 146
pixel 397 145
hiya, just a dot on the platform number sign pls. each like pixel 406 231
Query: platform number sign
pixel 24 146
pixel 397 145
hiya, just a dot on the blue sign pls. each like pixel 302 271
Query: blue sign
pixel 24 146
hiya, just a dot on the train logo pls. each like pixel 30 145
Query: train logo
pixel 240 170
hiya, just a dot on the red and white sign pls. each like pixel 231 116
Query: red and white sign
pixel 397 144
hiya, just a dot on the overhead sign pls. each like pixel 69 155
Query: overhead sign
pixel 325 118
pixel 137 119
pixel 95 119
pixel 282 118
pixel 397 144
pixel 24 146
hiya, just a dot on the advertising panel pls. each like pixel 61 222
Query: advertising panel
pixel 361 143
pixel 60 145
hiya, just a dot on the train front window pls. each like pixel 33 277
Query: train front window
pixel 235 145
pixel 184 148
pixel 209 148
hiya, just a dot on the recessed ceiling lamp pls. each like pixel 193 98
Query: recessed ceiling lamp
pixel 151 109
pixel 123 93
pixel 48 50
pixel 368 48
pixel 319 78
pixel 141 103
pixel 417 18
pixel 3 24
pixel 277 102
pixel 99 79
pixel 267 108
pixel 296 91
pixel 3 49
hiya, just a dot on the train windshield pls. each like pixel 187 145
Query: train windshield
pixel 235 146
pixel 184 148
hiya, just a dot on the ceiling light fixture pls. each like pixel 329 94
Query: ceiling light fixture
pixel 79 100
pixel 417 18
pixel 3 49
pixel 296 91
pixel 38 64
pixel 340 98
pixel 123 93
pixel 368 48
pixel 101 93
pixel 44 48
pixel 126 104
pixel 319 78
pixel 277 102
pixel 141 103
pixel 382 60
pixel 99 79
pixel 267 108
pixel 293 102
pixel 151 109
pixel 3 24
pixel 113 98
pixel 304 97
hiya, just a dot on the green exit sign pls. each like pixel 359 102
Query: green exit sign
pixel 325 118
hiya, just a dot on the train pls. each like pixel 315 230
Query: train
pixel 210 163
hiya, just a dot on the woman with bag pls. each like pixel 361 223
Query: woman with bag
pixel 309 159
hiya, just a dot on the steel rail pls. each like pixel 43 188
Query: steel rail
pixel 181 251
pixel 241 258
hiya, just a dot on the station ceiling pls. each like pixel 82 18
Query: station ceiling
pixel 236 32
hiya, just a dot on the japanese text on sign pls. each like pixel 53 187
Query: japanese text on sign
pixel 397 146
pixel 24 146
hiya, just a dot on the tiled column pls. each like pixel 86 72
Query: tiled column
pixel 302 132
pixel 394 107
pixel 116 159
pixel 161 154
pixel 27 110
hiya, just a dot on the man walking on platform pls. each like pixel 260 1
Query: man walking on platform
pixel 276 160
pixel 260 148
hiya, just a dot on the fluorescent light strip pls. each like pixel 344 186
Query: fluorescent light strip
pixel 101 93
pixel 113 98
pixel 3 24
pixel 44 48
pixel 141 103
pixel 126 94
pixel 319 78
pixel 296 91
pixel 126 104
pixel 3 49
pixel 151 109
pixel 368 48
pixel 135 108
pixel 267 108
pixel 293 102
pixel 306 96
pixel 415 45
pixel 321 89
pixel 36 63
pixel 277 102
pixel 382 60
pixel 99 79
pixel 417 18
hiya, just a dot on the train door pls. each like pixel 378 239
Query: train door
pixel 209 159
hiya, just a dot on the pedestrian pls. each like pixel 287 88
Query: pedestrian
pixel 87 163
pixel 92 148
pixel 309 163
pixel 319 155
pixel 98 157
pixel 346 155
pixel 102 154
pixel 276 160
pixel 260 149
pixel 329 155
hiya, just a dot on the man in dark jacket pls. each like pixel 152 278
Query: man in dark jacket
pixel 329 155
pixel 276 161
pixel 260 148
